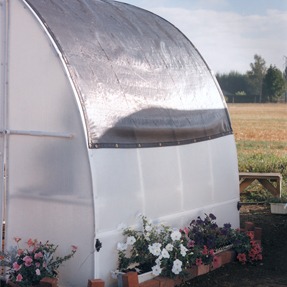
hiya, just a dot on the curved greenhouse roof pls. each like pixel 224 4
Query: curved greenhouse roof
pixel 140 81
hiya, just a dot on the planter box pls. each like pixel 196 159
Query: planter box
pixel 278 208
pixel 199 270
pixel 146 276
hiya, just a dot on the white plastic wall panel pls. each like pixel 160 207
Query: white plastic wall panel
pixel 49 192
pixel 169 184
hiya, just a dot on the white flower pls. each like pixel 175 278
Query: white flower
pixel 148 228
pixel 177 263
pixel 183 250
pixel 169 247
pixel 156 270
pixel 38 272
pixel 176 267
pixel 158 260
pixel 131 240
pixel 176 270
pixel 146 236
pixel 155 249
pixel 175 235
pixel 121 246
pixel 164 253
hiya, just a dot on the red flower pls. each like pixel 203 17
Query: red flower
pixel 251 235
pixel 241 258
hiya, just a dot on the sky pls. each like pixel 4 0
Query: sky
pixel 228 33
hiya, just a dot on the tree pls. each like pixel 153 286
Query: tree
pixel 233 82
pixel 273 85
pixel 256 75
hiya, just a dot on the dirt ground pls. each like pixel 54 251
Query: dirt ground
pixel 271 272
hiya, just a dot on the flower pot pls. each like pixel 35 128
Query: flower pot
pixel 278 208
pixel 199 270
pixel 146 276
pixel 133 279
pixel 224 248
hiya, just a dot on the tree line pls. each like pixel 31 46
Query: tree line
pixel 260 84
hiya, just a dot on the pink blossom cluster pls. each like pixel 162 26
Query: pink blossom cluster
pixel 35 262
pixel 254 254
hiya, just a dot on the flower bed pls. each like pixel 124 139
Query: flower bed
pixel 179 254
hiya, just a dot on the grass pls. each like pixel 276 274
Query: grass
pixel 260 132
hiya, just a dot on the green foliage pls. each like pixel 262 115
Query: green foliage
pixel 256 75
pixel 263 163
pixel 273 85
pixel 282 199
pixel 267 84
pixel 233 82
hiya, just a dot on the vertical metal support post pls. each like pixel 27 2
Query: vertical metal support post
pixel 4 4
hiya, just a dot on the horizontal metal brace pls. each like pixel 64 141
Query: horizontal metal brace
pixel 36 133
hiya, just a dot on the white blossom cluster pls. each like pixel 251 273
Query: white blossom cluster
pixel 164 243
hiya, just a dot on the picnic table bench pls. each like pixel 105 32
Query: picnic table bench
pixel 271 181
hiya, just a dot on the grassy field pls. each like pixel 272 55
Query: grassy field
pixel 261 137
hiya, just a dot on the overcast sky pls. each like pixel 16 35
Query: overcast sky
pixel 228 33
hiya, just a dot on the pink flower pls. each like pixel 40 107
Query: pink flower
pixel 74 248
pixel 204 251
pixel 31 242
pixel 211 252
pixel 38 272
pixel 190 244
pixel 19 278
pixel 198 261
pixel 16 266
pixel 38 255
pixel 20 251
pixel 37 264
pixel 17 239
pixel 28 261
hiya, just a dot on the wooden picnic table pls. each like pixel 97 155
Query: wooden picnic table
pixel 271 181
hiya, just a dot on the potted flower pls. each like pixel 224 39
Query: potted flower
pixel 155 248
pixel 27 266
pixel 247 249
pixel 278 205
